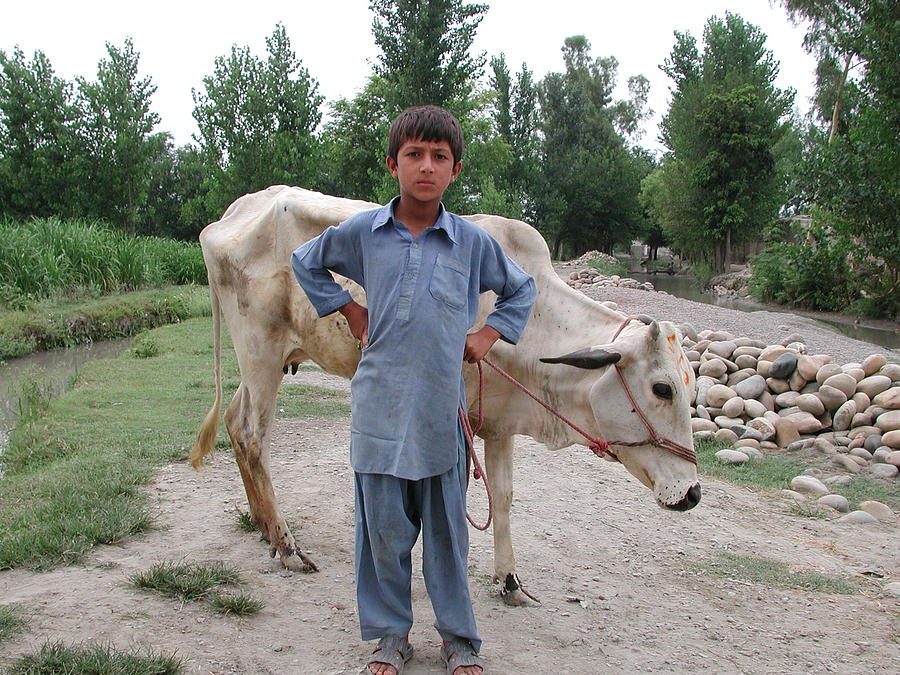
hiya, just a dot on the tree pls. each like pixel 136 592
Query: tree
pixel 721 129
pixel 257 120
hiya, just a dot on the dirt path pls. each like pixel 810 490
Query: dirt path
pixel 583 528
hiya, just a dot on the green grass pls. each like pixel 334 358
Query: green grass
pixel 774 573
pixel 244 523
pixel 239 604
pixel 55 658
pixel 186 581
pixel 12 618
pixel 608 267
pixel 74 475
pixel 305 400
pixel 51 324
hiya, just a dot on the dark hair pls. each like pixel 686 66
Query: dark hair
pixel 427 123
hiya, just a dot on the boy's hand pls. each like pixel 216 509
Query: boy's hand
pixel 479 343
pixel 358 318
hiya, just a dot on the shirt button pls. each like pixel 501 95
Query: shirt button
pixel 415 245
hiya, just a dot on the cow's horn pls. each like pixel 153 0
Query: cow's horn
pixel 586 358
pixel 645 319
pixel 654 330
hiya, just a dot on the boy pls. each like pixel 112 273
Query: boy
pixel 423 269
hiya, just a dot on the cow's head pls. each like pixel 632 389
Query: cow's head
pixel 650 357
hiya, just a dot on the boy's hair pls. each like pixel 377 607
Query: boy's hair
pixel 427 123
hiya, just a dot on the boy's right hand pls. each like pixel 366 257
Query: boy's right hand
pixel 358 318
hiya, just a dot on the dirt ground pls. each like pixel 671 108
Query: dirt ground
pixel 584 530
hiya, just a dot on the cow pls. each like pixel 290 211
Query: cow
pixel 274 327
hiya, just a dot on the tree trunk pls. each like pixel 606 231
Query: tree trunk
pixel 836 115
pixel 726 263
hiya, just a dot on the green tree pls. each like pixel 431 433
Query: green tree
pixel 257 120
pixel 722 127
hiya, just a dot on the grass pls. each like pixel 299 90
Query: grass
pixel 774 573
pixel 239 604
pixel 55 658
pixel 244 523
pixel 12 618
pixel 609 267
pixel 199 581
pixel 73 475
pixel 52 323
pixel 304 400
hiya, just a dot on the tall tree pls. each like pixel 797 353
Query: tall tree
pixel 257 120
pixel 725 119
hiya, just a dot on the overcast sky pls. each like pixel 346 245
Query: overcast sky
pixel 178 41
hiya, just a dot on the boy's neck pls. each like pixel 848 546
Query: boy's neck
pixel 417 217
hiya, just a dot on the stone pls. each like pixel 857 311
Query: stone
pixel 726 436
pixel 745 350
pixel 841 440
pixel 754 409
pixel 892 588
pixel 843 415
pixel 783 366
pixel 740 376
pixel 857 518
pixel 732 457
pixel 719 335
pixel 767 400
pixel 797 346
pixel 805 423
pixel 777 386
pixel 846 463
pixel 831 397
pixel 872 443
pixel 703 385
pixel 765 428
pixel 810 388
pixel 888 399
pixel 893 457
pixel 762 367
pixel 717 394
pixel 800 444
pixel 785 432
pixel 772 352
pixel 884 470
pixel 768 445
pixel 827 371
pixel 699 424
pixel 873 363
pixel 824 446
pixel 714 367
pixel 745 361
pixel 810 403
pixel 881 455
pixel 862 432
pixel 873 385
pixel 751 452
pixel 808 365
pixel 692 355
pixel 702 413
pixel 892 439
pixel 880 510
pixel 701 435
pixel 857 374
pixel 856 442
pixel 723 348
pixel 888 421
pixel 842 479
pixel 702 345
pixel 750 433
pixel 836 502
pixel 688 330
pixel 746 443
pixel 842 381
pixel 861 452
pixel 773 417
pixel 734 407
pixel 891 370
pixel 796 381
pixel 726 422
pixel 809 485
pixel 787 400
pixel 861 400
pixel 861 420
pixel 792 494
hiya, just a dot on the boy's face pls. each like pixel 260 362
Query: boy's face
pixel 424 170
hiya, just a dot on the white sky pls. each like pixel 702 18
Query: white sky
pixel 178 41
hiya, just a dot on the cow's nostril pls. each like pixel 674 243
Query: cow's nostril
pixel 691 499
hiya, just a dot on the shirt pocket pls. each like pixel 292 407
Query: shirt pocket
pixel 450 282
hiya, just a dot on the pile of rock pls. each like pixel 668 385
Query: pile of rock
pixel 759 397
pixel 589 257
pixel 589 276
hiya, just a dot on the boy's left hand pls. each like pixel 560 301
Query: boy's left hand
pixel 479 343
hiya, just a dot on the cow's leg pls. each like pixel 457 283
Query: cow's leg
pixel 247 419
pixel 498 458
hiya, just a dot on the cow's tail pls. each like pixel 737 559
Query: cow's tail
pixel 206 436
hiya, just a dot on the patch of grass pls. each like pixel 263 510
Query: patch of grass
pixel 609 267
pixel 773 471
pixel 808 510
pixel 774 573
pixel 186 581
pixel 244 522
pixel 12 618
pixel 239 604
pixel 55 658
pixel 305 400
pixel 863 488
pixel 33 395
pixel 144 347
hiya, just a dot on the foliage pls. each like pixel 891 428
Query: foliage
pixel 239 604
pixel 12 618
pixel 186 581
pixel 774 573
pixel 55 658
pixel 609 267
pixel 718 182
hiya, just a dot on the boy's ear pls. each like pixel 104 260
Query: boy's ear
pixel 391 165
pixel 456 169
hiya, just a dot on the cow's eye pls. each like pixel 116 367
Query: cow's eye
pixel 662 390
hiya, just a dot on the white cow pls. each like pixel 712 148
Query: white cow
pixel 273 327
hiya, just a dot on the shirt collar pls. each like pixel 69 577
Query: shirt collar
pixel 445 221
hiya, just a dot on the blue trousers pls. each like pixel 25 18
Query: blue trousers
pixel 390 512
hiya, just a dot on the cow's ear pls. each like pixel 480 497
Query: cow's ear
pixel 586 358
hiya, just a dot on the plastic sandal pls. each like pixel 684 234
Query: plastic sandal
pixel 392 651
pixel 459 653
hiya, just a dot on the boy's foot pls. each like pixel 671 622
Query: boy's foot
pixel 460 658
pixel 390 655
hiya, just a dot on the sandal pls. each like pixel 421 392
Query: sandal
pixel 392 651
pixel 459 652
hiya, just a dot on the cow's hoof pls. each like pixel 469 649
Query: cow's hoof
pixel 514 595
pixel 298 562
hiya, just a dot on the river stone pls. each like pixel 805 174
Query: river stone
pixel 726 436
pixel 740 376
pixel 762 367
pixel 846 463
pixel 808 365
pixel 753 408
pixel 888 399
pixel 767 400
pixel 863 432
pixel 836 502
pixel 882 454
pixel 878 509
pixel 861 452
pixel 810 388
pixel 703 385
pixel 787 399
pixel 861 420
pixel 719 335
pixel 702 435
pixel 805 423
pixel 750 388
pixel 765 428
pixel 874 385
pixel 783 366
pixel 792 494
pixel 717 394
pixel 843 416
pixel 773 417
pixel 751 452
pixel 702 413
pixel 824 446
pixel 857 374
pixel 723 348
pixel 746 350
pixel 891 439
pixel 861 400
pixel 745 361
pixel 841 440
pixel 810 403
pixel 814 472
pixel 746 432
pixel 797 346
pixel 796 381
pixel 827 371
pixel 892 588
pixel 832 398
pixel 726 422
pixel 800 444
pixel 732 457
pixel 714 367
pixel 702 345
pixel 772 352
pixel 785 432
pixel 891 370
pixel 884 470
pixel 809 485
pixel 893 457
pixel 692 355
pixel 700 424
pixel 768 445
pixel 746 443
pixel 873 363
pixel 784 412
pixel 838 480
pixel 733 407
pixel 872 443
pixel 889 421
pixel 777 386
pixel 857 518
pixel 842 381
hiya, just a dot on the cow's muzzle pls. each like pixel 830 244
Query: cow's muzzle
pixel 691 499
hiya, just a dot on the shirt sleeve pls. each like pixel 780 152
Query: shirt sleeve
pixel 515 289
pixel 335 250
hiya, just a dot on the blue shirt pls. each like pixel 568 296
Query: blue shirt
pixel 422 297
